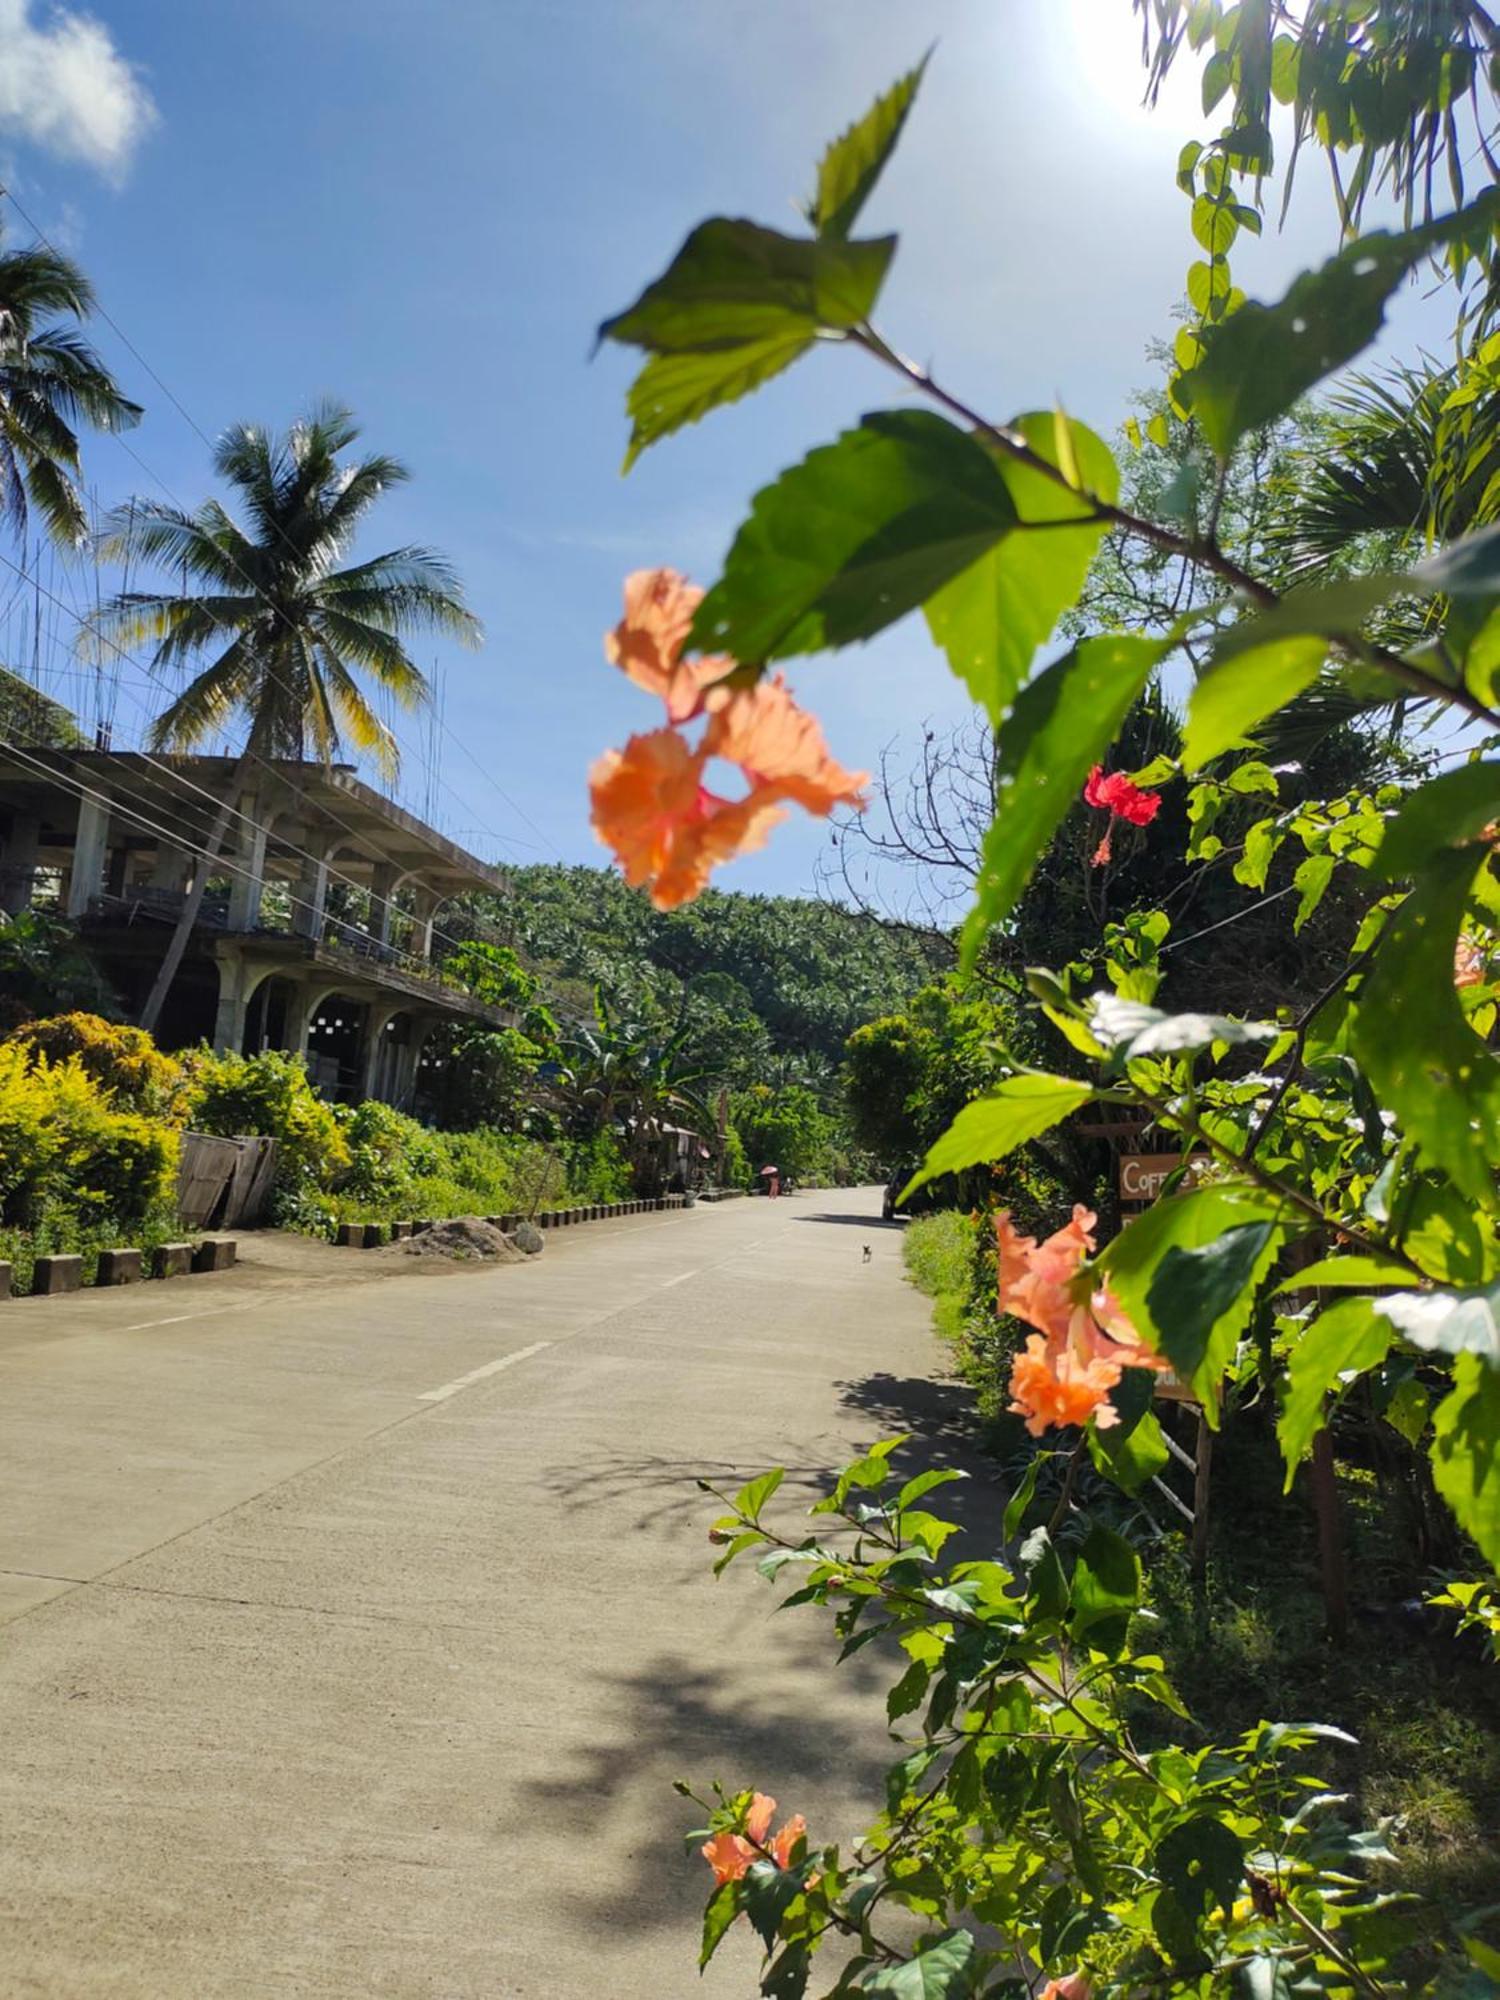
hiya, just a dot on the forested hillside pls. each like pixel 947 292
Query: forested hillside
pixel 768 987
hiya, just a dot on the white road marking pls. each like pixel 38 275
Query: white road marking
pixel 670 1282
pixel 478 1374
pixel 176 1319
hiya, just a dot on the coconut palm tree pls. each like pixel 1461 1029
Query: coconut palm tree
pixel 283 632
pixel 51 382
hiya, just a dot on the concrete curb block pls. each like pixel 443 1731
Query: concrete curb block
pixel 51 1275
pixel 120 1267
pixel 57 1275
pixel 367 1235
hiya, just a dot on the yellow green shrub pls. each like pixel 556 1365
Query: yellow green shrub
pixel 124 1061
pixel 64 1147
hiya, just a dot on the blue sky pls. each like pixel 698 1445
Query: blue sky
pixel 425 211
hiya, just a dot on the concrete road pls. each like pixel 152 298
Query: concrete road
pixel 357 1630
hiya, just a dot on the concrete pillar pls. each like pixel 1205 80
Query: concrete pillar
pixel 235 980
pixel 18 862
pixel 90 849
pixel 382 887
pixel 249 872
pixel 310 898
pixel 172 868
pixel 424 909
pixel 374 1069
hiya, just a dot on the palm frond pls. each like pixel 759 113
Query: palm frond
pixel 377 652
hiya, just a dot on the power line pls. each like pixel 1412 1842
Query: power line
pixel 176 831
pixel 219 804
pixel 197 428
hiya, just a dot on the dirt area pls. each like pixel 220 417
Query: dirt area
pixel 463 1239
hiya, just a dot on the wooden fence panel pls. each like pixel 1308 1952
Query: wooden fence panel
pixel 223 1183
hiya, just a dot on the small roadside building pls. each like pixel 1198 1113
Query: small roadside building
pixel 316 934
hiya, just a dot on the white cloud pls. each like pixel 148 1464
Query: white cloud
pixel 65 86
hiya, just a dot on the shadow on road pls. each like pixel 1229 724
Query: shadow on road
pixel 852 1221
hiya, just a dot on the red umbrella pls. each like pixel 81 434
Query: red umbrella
pixel 770 1170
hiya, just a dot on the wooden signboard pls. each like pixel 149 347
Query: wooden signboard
pixel 1143 1175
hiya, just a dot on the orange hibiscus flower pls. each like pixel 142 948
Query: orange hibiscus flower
pixel 667 829
pixel 648 641
pixel 780 747
pixel 1083 1340
pixel 650 803
pixel 1077 1986
pixel 730 1854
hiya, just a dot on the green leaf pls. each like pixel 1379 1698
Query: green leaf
pixel 752 1497
pixel 1106 1588
pixel 1261 359
pixel 1202 1863
pixel 1015 1111
pixel 768 1892
pixel 1234 694
pixel 677 389
pixel 1046 1579
pixel 1406 1412
pixel 859 533
pixel 1132 1451
pixel 925 1482
pixel 1261 843
pixel 1346 1339
pixel 787 1978
pixel 1201 1298
pixel 1263 1977
pixel 848 171
pixel 734 282
pixel 736 305
pixel 1346 1273
pixel 723 1908
pixel 908 1692
pixel 1446 1238
pixel 1469 567
pixel 1412 1038
pixel 1443 813
pixel 1466 1452
pixel 1021 1499
pixel 1187 1222
pixel 1061 726
pixel 944 1969
pixel 1312 879
pixel 991 619
pixel 1447 1322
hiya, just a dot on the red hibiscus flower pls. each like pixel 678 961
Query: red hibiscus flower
pixel 1121 799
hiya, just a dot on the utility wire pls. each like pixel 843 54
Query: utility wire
pixel 197 428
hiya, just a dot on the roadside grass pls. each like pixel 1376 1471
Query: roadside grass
pixel 1422 1703
pixel 938 1251
pixel 61 1235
